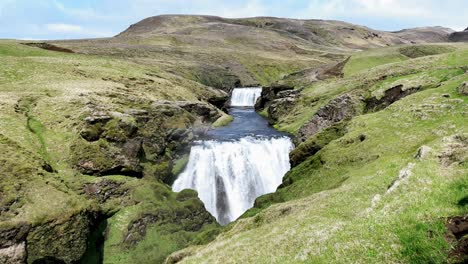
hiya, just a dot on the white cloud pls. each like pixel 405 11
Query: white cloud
pixel 64 28
pixel 390 14
pixel 372 8
pixel 76 30
pixel 249 9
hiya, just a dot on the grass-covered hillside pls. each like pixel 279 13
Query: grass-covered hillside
pixel 224 53
pixel 94 132
pixel 87 143
pixel 381 185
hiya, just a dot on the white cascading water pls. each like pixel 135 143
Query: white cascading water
pixel 230 175
pixel 245 97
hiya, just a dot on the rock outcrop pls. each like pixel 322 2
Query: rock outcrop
pixel 119 143
pixel 190 216
pixel 316 142
pixel 463 89
pixel 277 100
pixel 64 240
pixel 342 108
pixel 270 93
pixel 390 96
pixel 13 244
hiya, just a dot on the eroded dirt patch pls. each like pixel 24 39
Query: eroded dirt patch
pixel 457 233
pixel 47 46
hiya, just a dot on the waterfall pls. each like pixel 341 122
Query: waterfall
pixel 245 96
pixel 230 175
pixel 238 163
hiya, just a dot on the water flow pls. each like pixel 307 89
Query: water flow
pixel 237 163
pixel 229 176
pixel 242 97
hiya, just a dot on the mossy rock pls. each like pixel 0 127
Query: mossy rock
pixel 62 239
pixel 463 89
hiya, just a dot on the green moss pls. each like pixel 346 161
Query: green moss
pixel 172 222
pixel 223 121
pixel 425 50
pixel 95 152
pixel 179 165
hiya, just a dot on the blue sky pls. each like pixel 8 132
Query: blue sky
pixel 64 19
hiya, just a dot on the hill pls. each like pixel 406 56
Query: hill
pixel 459 36
pixel 226 53
pixel 94 131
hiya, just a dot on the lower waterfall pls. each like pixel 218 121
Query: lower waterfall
pixel 230 175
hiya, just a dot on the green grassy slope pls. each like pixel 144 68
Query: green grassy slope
pixel 44 97
pixel 365 197
pixel 330 208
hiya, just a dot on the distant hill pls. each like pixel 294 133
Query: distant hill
pixel 322 32
pixel 461 36
pixel 225 53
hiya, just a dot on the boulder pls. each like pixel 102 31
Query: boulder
pixel 98 117
pixel 463 89
pixel 14 254
pixel 423 152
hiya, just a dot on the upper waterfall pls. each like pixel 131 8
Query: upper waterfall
pixel 245 97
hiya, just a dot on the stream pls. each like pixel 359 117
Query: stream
pixel 237 163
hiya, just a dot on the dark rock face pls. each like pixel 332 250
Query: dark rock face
pixel 269 94
pixel 104 190
pixel 391 95
pixel 279 107
pixel 278 100
pixel 220 102
pixel 12 236
pixel 343 107
pixel 48 46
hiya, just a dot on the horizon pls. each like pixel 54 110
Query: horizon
pixel 60 19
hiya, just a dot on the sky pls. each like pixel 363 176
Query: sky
pixel 66 19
